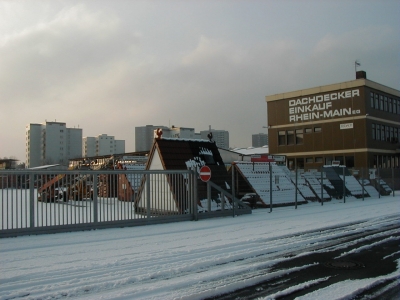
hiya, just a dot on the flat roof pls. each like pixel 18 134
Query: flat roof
pixel 334 87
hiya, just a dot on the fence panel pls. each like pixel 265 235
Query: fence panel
pixel 34 202
pixel 52 201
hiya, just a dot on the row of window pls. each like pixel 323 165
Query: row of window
pixel 300 162
pixel 385 133
pixel 294 137
pixel 381 102
pixel 385 161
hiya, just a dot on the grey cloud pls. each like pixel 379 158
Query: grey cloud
pixel 62 53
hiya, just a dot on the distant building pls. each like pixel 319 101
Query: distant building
pixel 51 143
pixel 144 136
pixel 103 144
pixel 259 140
pixel 8 163
pixel 179 133
pixel 221 137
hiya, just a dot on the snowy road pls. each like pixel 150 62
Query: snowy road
pixel 197 260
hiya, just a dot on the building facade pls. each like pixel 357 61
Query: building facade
pixel 355 123
pixel 102 144
pixel 259 140
pixel 180 133
pixel 144 137
pixel 51 143
pixel 221 137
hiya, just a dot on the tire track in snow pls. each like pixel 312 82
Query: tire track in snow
pixel 208 267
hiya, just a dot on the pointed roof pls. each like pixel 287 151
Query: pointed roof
pixel 182 154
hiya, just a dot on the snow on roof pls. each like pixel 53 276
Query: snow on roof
pixel 44 167
pixel 185 140
pixel 252 150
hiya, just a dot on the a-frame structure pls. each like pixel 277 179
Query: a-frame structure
pixel 179 154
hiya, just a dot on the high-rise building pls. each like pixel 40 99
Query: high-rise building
pixel 259 140
pixel 144 136
pixel 102 144
pixel 179 133
pixel 51 143
pixel 221 137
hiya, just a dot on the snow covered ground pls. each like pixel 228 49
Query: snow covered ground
pixel 187 260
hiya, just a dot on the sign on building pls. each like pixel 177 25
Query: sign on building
pixel 346 126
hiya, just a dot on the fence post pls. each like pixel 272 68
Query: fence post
pixel 95 200
pixel 31 200
pixel 270 187
pixel 148 195
pixel 196 196
pixel 344 186
pixel 393 181
pixel 362 183
pixel 295 189
pixel 190 192
pixel 379 184
pixel 322 186
pixel 208 196
pixel 233 190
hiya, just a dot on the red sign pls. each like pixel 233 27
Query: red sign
pixel 205 173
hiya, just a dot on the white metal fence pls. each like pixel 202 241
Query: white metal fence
pixel 34 202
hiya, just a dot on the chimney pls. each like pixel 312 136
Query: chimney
pixel 361 75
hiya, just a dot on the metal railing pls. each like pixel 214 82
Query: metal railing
pixel 34 202
pixel 267 185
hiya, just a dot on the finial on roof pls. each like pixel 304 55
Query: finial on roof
pixel 210 136
pixel 159 133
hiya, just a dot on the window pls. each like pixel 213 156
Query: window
pixel 390 105
pixel 299 136
pixel 317 129
pixel 349 161
pixel 308 130
pixel 318 160
pixel 372 99
pixel 339 159
pixel 382 132
pixel 290 137
pixel 373 132
pixel 394 106
pixel 300 163
pixel 380 102
pixel 309 160
pixel 385 101
pixel 387 134
pixel 398 106
pixel 376 106
pixel 378 132
pixel 281 138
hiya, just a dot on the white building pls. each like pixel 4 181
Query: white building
pixel 180 133
pixel 144 136
pixel 51 143
pixel 221 137
pixel 102 144
pixel 259 139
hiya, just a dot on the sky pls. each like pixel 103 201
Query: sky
pixel 196 260
pixel 110 66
